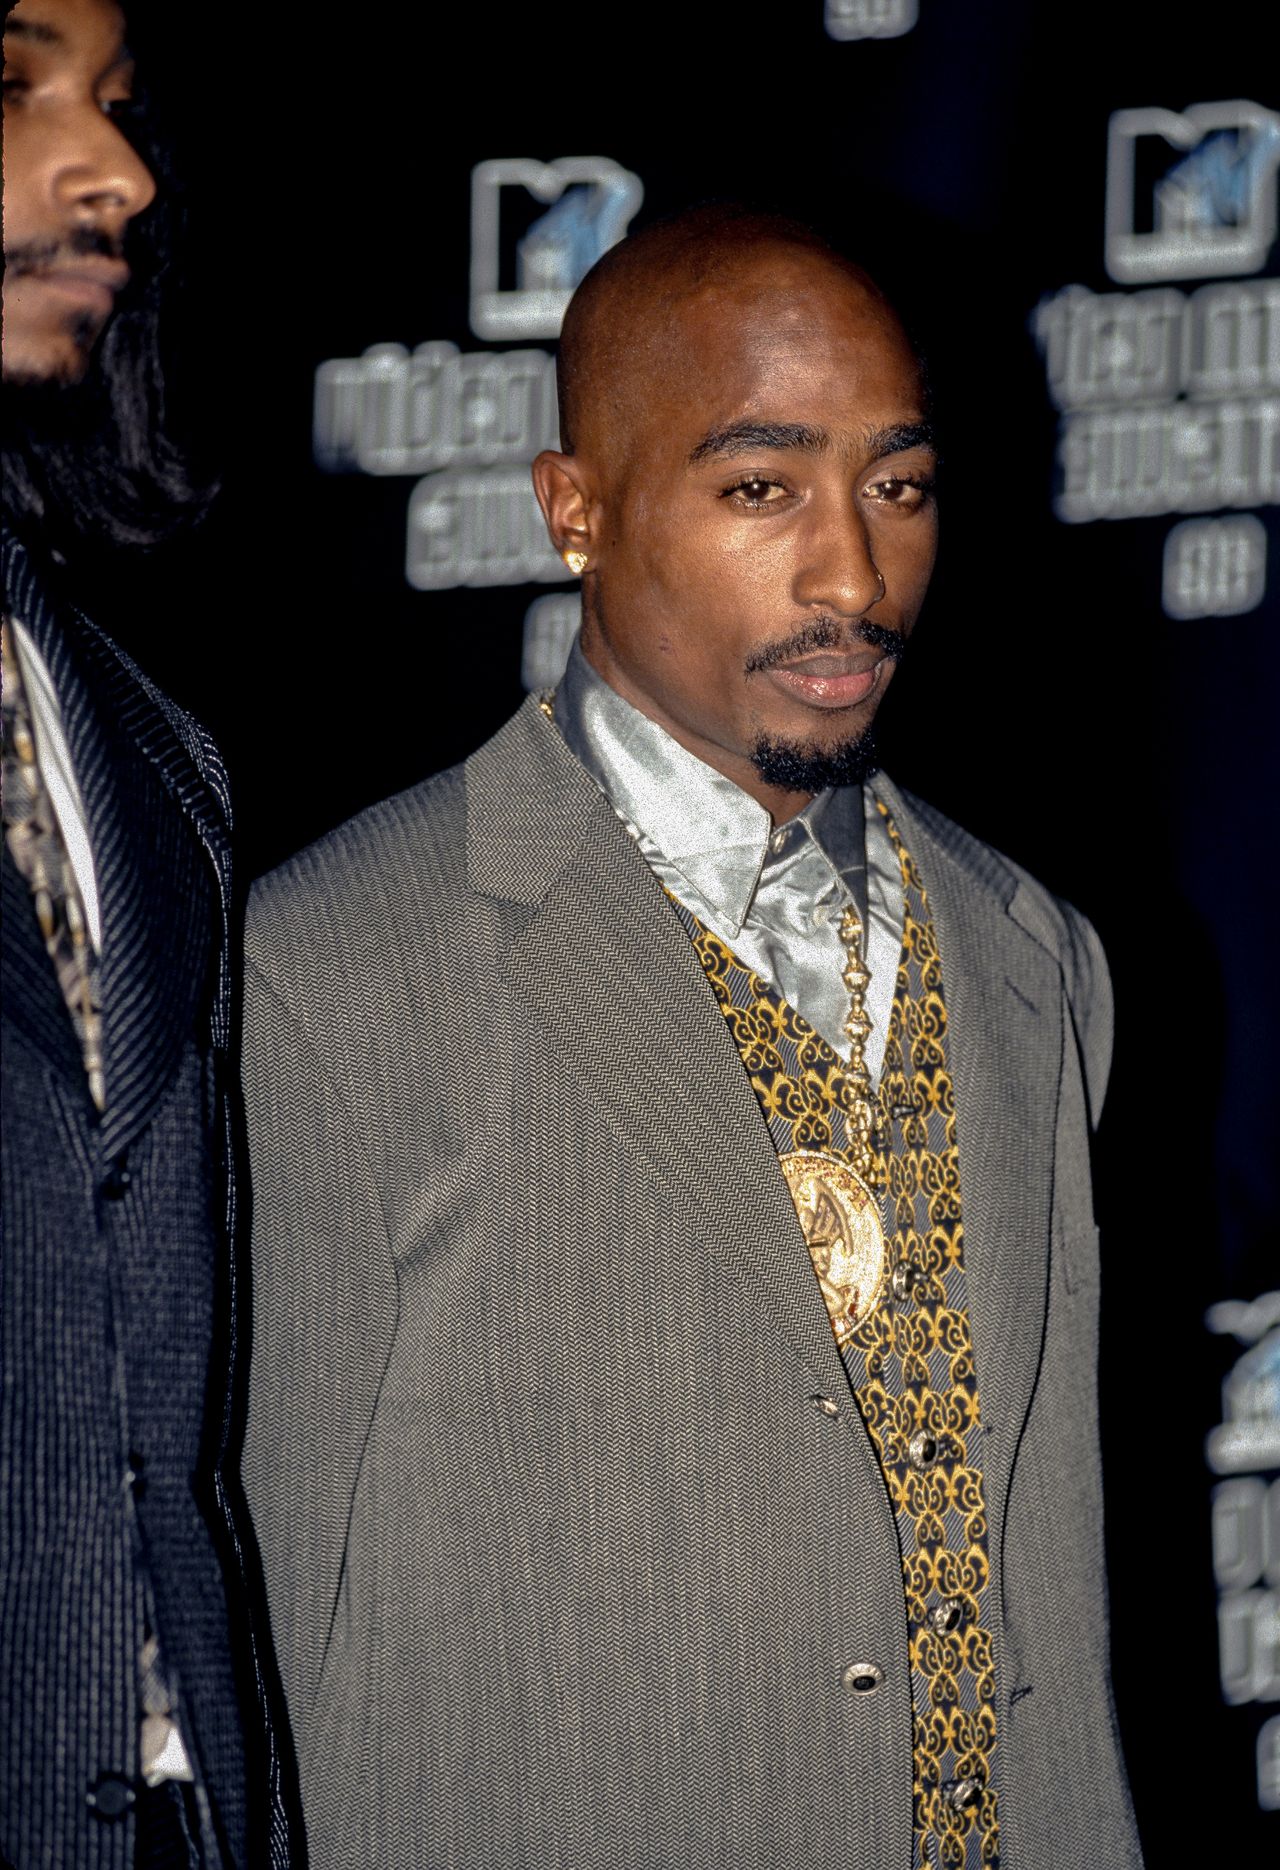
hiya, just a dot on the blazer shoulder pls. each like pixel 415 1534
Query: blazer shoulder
pixel 1061 929
pixel 382 860
pixel 1054 922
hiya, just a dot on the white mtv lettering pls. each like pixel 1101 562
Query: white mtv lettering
pixel 1120 463
pixel 390 412
pixel 1213 211
pixel 1269 1765
pixel 1246 1533
pixel 1216 568
pixel 1249 1646
pixel 1111 347
pixel 477 527
pixel 1133 347
pixel 550 625
pixel 1233 339
pixel 870 19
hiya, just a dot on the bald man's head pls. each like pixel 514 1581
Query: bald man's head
pixel 624 320
pixel 745 478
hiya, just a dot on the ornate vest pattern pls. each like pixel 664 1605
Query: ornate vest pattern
pixel 910 1363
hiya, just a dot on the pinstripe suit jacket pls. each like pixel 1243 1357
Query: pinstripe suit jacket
pixel 118 1318
pixel 565 1565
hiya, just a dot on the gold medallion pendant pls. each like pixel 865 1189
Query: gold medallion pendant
pixel 840 1218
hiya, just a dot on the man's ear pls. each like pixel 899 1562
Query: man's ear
pixel 561 486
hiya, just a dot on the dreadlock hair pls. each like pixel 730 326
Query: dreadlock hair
pixel 91 464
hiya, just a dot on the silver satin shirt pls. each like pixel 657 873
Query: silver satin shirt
pixel 774 897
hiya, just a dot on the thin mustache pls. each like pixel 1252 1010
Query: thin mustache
pixel 37 256
pixel 828 633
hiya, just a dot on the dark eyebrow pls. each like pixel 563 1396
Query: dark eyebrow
pixel 35 29
pixel 897 440
pixel 740 438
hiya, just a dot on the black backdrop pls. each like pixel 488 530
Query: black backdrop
pixel 1049 704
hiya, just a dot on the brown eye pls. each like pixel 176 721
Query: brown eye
pixel 900 492
pixel 756 491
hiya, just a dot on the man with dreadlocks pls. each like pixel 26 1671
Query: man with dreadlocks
pixel 135 1724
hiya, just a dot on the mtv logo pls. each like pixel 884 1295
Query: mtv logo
pixel 590 204
pixel 870 19
pixel 1191 195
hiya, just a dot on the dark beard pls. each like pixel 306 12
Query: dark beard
pixel 793 766
pixel 83 328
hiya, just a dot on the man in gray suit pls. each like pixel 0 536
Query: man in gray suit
pixel 673 1437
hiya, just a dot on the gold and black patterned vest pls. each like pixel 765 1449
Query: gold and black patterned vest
pixel 911 1361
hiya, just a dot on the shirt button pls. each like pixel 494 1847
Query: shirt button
pixel 906 1277
pixel 946 1616
pixel 110 1796
pixel 922 1449
pixel 116 1181
pixel 862 1678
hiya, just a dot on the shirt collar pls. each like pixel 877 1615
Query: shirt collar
pixel 709 830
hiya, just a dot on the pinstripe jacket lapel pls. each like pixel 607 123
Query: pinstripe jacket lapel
pixel 155 827
pixel 158 892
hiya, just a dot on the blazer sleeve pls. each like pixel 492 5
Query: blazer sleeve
pixel 1089 995
pixel 325 1301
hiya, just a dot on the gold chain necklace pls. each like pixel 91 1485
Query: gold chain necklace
pixel 836 1202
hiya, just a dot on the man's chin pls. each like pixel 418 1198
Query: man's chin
pixel 810 766
pixel 57 360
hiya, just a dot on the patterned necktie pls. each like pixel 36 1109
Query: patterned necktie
pixel 39 850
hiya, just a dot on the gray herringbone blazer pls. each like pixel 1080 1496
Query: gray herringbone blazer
pixel 565 1564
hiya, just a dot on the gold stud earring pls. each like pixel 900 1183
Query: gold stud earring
pixel 577 562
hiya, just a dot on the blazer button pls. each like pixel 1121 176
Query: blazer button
pixel 116 1182
pixel 825 1405
pixel 862 1678
pixel 110 1796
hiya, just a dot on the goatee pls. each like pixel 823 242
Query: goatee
pixel 797 766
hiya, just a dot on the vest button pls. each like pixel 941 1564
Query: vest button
pixel 922 1449
pixel 110 1796
pixel 946 1616
pixel 906 1277
pixel 862 1678
pixel 960 1794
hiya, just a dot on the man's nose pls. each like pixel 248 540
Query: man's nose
pixel 101 179
pixel 838 572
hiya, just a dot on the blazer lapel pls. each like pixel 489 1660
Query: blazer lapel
pixel 157 893
pixel 608 972
pixel 159 849
pixel 1003 994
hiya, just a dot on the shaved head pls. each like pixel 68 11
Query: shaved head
pixel 624 318
pixel 745 485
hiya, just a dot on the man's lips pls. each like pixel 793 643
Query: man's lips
pixel 829 680
pixel 91 282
